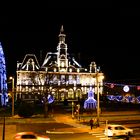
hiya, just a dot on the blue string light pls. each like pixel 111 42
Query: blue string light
pixel 3 78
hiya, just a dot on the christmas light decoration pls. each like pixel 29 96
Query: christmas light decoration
pixel 126 88
pixel 3 78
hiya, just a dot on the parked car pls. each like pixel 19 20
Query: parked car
pixel 117 130
pixel 30 136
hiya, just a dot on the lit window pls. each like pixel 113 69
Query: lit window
pixel 78 70
pixel 70 70
pixel 62 64
pixel 54 70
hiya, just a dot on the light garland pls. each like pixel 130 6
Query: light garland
pixel 126 99
pixel 112 85
pixel 122 98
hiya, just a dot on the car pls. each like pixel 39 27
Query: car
pixel 30 136
pixel 112 130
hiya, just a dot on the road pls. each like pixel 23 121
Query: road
pixel 11 130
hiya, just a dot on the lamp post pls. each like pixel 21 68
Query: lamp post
pixel 99 79
pixel 98 100
pixel 72 113
pixel 13 98
pixel 106 129
pixel 78 106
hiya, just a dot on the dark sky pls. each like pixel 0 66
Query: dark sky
pixel 105 35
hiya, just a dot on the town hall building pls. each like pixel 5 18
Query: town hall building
pixel 59 75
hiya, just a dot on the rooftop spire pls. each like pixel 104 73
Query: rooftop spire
pixel 62 35
pixel 62 29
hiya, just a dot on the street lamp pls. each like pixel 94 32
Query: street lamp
pixel 99 79
pixel 13 98
pixel 98 99
pixel 72 105
pixel 78 107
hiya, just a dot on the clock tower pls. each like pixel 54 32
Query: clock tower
pixel 62 60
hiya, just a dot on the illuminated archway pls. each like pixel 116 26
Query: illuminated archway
pixel 3 78
pixel 70 93
pixel 78 94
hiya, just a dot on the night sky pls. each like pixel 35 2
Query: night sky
pixel 104 35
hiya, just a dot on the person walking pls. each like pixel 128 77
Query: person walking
pixel 91 123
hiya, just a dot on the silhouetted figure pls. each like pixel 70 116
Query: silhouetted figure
pixel 91 123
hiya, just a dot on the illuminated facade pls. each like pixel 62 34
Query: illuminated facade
pixel 60 74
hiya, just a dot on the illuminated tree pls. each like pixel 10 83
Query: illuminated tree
pixel 3 78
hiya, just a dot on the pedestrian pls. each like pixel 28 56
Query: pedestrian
pixel 91 123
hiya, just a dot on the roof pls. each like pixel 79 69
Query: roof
pixel 29 63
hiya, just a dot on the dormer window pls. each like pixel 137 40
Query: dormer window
pixel 70 70
pixel 62 64
pixel 54 69
pixel 78 70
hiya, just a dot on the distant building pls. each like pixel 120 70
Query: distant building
pixel 60 75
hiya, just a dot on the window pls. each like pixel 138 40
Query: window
pixel 28 136
pixel 109 128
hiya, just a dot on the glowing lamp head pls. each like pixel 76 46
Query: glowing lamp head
pixel 126 88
